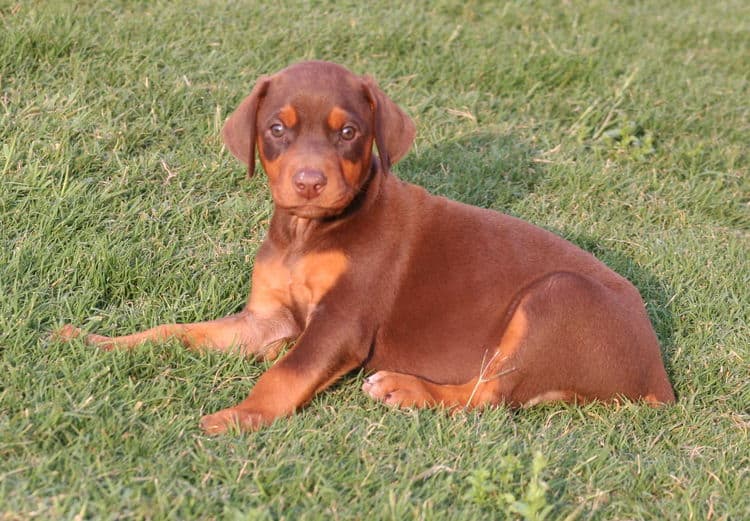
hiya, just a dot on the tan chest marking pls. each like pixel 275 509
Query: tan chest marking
pixel 300 285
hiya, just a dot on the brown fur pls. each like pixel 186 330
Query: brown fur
pixel 451 304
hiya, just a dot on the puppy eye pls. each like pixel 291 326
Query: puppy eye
pixel 277 130
pixel 348 133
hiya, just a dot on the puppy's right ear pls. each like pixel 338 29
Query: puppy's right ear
pixel 239 130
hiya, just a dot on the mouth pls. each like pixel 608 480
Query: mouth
pixel 310 211
pixel 316 208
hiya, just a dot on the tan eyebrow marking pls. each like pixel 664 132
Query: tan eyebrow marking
pixel 288 116
pixel 337 118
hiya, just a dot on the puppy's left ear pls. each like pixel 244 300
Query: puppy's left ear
pixel 394 130
pixel 239 130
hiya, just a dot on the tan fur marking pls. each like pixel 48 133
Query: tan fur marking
pixel 288 116
pixel 653 401
pixel 316 274
pixel 551 396
pixel 337 118
pixel 271 281
pixel 514 334
pixel 351 171
pixel 484 388
pixel 272 168
pixel 304 284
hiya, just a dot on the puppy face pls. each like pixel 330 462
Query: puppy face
pixel 314 125
pixel 314 135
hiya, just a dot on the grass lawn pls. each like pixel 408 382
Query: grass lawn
pixel 622 126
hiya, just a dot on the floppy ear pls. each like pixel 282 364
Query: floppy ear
pixel 239 129
pixel 394 130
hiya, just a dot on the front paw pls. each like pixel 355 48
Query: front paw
pixel 69 332
pixel 66 333
pixel 231 418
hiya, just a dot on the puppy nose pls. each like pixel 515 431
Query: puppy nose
pixel 309 183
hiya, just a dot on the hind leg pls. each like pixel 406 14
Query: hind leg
pixel 496 377
pixel 569 339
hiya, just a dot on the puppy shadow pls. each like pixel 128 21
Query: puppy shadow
pixel 495 171
pixel 484 169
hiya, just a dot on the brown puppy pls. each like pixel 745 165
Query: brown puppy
pixel 451 304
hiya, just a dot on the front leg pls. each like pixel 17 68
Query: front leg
pixel 328 349
pixel 249 332
pixel 259 330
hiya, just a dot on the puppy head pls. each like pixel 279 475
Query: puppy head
pixel 314 125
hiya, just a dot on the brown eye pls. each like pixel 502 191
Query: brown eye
pixel 348 133
pixel 277 130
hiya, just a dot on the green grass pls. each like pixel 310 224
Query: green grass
pixel 623 126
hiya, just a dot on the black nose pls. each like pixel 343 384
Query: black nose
pixel 309 183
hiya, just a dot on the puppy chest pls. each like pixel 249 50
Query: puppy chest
pixel 297 284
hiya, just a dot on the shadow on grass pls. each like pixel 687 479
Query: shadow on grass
pixel 482 169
